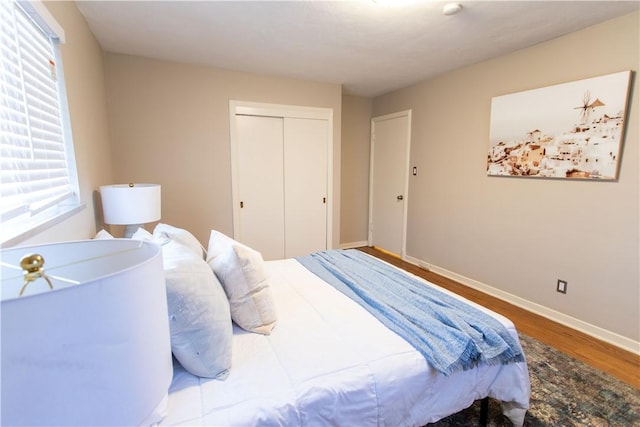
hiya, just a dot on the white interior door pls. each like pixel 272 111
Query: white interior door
pixel 260 184
pixel 305 195
pixel 390 140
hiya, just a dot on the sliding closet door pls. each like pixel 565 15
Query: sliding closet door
pixel 281 177
pixel 260 184
pixel 305 185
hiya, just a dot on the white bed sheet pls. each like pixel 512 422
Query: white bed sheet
pixel 329 362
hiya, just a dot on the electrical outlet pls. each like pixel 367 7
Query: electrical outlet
pixel 561 286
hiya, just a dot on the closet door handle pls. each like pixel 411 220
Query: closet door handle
pixel 400 197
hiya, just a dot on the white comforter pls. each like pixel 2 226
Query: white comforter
pixel 329 362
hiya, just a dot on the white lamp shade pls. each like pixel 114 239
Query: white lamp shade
pixel 124 204
pixel 96 349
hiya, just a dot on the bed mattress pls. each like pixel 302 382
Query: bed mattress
pixel 328 361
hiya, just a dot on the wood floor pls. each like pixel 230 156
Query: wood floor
pixel 619 363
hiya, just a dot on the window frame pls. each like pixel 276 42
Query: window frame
pixel 29 224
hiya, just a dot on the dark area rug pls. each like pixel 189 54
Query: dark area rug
pixel 564 392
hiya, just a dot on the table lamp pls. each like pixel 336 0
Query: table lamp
pixel 131 205
pixel 85 334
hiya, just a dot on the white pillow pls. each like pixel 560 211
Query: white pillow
pixel 180 235
pixel 143 235
pixel 199 316
pixel 245 281
pixel 103 235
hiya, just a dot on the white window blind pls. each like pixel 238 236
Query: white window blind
pixel 37 169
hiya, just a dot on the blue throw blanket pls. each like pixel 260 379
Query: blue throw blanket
pixel 449 333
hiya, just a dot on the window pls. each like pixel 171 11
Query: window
pixel 38 181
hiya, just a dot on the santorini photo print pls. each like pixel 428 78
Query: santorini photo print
pixel 571 130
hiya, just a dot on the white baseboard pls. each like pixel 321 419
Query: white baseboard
pixel 571 322
pixel 354 245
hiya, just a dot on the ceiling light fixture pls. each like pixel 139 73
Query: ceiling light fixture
pixel 451 8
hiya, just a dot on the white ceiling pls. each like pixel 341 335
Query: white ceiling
pixel 366 46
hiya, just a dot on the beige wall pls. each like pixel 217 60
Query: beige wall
pixel 356 142
pixel 84 77
pixel 169 125
pixel 520 235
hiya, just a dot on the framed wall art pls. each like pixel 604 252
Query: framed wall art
pixel 571 130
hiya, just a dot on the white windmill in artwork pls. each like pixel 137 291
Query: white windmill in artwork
pixel 588 107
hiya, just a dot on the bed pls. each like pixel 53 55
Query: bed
pixel 219 337
pixel 329 361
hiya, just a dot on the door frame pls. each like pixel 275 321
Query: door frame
pixel 374 120
pixel 249 108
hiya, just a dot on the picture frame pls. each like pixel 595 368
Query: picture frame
pixel 572 130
